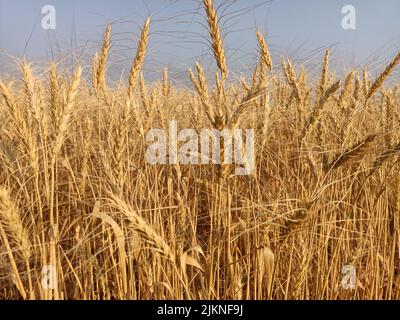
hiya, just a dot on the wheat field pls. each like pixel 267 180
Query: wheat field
pixel 83 215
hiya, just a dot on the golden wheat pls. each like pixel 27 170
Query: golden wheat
pixel 78 194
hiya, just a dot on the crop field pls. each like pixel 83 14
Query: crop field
pixel 105 195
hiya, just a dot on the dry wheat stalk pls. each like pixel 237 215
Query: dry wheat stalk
pixel 388 114
pixel 120 238
pixel 143 95
pixel 13 265
pixel 95 67
pixel 254 78
pixel 119 144
pixel 365 83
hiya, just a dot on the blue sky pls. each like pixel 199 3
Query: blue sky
pixel 297 29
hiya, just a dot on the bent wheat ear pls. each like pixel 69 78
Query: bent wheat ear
pixel 382 77
pixel 356 151
pixel 15 235
pixel 13 226
pixel 142 227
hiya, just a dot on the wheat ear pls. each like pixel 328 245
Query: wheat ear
pixel 324 74
pixel 64 120
pixel 139 58
pixel 317 111
pixel 102 60
pixel 216 38
pixel 12 223
pixel 344 94
pixel 142 227
pixel 356 151
pixel 265 57
pixel 290 76
pixel 382 77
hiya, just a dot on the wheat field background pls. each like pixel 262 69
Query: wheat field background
pixel 78 198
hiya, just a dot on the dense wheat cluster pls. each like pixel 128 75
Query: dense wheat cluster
pixel 77 194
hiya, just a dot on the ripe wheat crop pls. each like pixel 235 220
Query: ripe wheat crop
pixel 83 215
